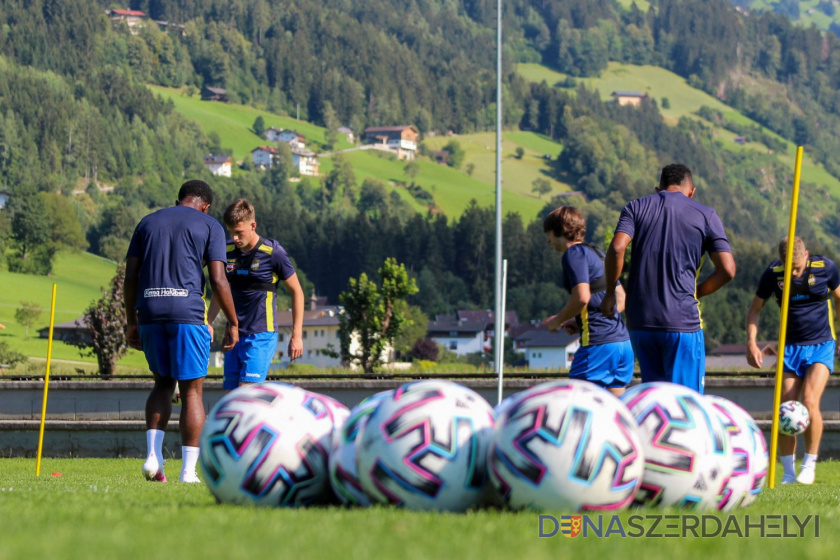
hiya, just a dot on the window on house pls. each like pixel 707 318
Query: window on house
pixel 322 332
pixel 280 337
pixel 304 335
pixel 309 353
pixel 453 344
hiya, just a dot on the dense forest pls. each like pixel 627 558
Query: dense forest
pixel 75 115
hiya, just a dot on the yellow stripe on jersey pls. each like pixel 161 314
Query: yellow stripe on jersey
pixel 269 311
pixel 829 301
pixel 230 247
pixel 696 277
pixel 780 268
pixel 266 249
pixel 584 331
pixel 817 264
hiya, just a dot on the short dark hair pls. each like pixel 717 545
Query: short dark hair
pixel 673 174
pixel 566 221
pixel 196 188
pixel 239 211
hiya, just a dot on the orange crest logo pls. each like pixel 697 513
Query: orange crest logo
pixel 570 525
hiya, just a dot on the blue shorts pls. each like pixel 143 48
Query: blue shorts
pixel 674 357
pixel 176 350
pixel 249 360
pixel 607 365
pixel 799 357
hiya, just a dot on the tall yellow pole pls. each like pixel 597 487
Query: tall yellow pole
pixel 777 395
pixel 46 386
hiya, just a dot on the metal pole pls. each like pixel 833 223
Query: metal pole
pixel 502 338
pixel 499 329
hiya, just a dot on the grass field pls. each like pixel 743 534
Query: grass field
pixel 684 100
pixel 809 12
pixel 78 277
pixel 102 508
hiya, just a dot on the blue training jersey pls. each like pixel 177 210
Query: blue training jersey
pixel 173 245
pixel 671 233
pixel 582 265
pixel 253 279
pixel 810 315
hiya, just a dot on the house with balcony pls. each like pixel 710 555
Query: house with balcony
pixel 401 140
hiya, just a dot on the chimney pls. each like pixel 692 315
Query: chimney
pixel 313 302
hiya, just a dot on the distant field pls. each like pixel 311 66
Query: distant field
pixel 78 277
pixel 684 100
pixel 809 12
pixel 643 5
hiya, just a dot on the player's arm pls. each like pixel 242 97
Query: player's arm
pixel 292 285
pixel 754 356
pixel 132 273
pixel 620 298
pixel 223 297
pixel 724 272
pixel 578 299
pixel 835 295
pixel 613 265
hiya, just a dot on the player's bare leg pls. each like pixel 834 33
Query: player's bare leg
pixel 791 386
pixel 158 411
pixel 812 390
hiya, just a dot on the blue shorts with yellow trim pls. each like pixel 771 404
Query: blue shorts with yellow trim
pixel 674 357
pixel 176 350
pixel 249 360
pixel 607 365
pixel 800 357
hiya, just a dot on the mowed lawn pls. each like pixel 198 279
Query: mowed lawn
pixel 684 100
pixel 102 508
pixel 78 277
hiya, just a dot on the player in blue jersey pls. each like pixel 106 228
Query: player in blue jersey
pixel 255 266
pixel 605 356
pixel 165 315
pixel 670 232
pixel 809 343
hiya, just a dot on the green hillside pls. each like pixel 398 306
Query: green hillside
pixel 684 100
pixel 452 188
pixel 78 278
pixel 811 12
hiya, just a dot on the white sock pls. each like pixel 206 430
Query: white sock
pixel 809 461
pixel 787 463
pixel 190 456
pixel 154 445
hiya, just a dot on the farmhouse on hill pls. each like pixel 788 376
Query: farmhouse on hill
pixel 402 140
pixel 214 94
pixel 219 165
pixel 628 97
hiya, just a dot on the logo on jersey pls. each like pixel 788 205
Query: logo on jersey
pixel 230 266
pixel 811 280
pixel 255 265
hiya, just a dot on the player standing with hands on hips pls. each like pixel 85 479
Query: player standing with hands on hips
pixel 165 315
pixel 809 343
pixel 255 266
pixel 670 232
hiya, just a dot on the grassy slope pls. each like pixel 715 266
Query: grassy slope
pixel 816 17
pixel 78 277
pixel 452 189
pixel 101 508
pixel 684 101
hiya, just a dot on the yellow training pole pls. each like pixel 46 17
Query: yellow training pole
pixel 46 386
pixel 777 394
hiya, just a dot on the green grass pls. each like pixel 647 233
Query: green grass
pixel 101 508
pixel 684 101
pixel 78 277
pixel 817 17
pixel 233 122
pixel 643 5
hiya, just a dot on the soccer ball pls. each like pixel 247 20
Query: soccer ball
pixel 688 460
pixel 262 444
pixel 329 415
pixel 567 445
pixel 793 418
pixel 425 447
pixel 749 449
pixel 344 476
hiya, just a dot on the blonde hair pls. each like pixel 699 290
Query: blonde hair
pixel 239 211
pixel 798 249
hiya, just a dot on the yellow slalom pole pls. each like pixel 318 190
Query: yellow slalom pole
pixel 777 394
pixel 46 386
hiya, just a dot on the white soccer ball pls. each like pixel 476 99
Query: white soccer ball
pixel 344 475
pixel 793 418
pixel 565 445
pixel 688 460
pixel 262 444
pixel 425 447
pixel 749 450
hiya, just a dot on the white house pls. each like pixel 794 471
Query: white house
pixel 219 165
pixel 272 133
pixel 305 161
pixel 4 197
pixel 547 350
pixel 402 140
pixel 263 156
pixel 347 133
pixel 293 138
pixel 459 336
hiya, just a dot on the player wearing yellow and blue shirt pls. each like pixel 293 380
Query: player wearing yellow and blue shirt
pixel 605 356
pixel 255 266
pixel 671 233
pixel 809 343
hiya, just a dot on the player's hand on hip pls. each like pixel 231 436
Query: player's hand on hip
pixel 550 323
pixel 607 306
pixel 210 328
pixel 570 326
pixel 295 348
pixel 132 337
pixel 231 337
pixel 754 356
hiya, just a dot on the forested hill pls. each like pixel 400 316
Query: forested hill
pixel 76 114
